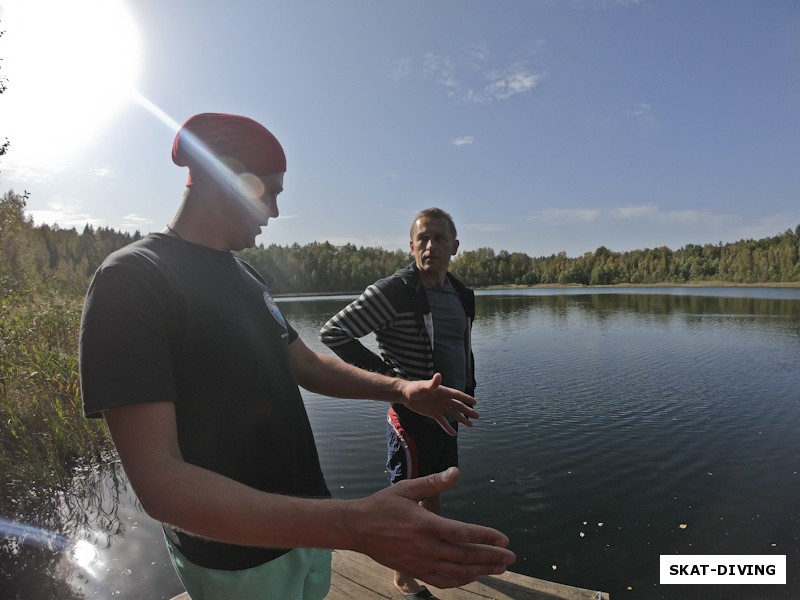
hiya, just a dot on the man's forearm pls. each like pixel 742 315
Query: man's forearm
pixel 218 508
pixel 356 353
pixel 333 377
pixel 212 506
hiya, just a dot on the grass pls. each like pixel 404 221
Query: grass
pixel 43 434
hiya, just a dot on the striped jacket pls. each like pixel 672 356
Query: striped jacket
pixel 396 309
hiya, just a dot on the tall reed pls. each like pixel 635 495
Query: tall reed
pixel 43 433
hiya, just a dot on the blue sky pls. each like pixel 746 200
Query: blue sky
pixel 541 125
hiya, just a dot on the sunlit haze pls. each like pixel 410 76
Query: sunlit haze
pixel 541 125
pixel 70 66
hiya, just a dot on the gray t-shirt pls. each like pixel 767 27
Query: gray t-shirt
pixel 168 320
pixel 449 329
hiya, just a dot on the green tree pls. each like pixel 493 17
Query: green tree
pixel 15 263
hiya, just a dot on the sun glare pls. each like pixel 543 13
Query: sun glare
pixel 84 555
pixel 69 66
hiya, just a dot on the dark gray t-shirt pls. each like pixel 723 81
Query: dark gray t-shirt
pixel 170 321
pixel 449 327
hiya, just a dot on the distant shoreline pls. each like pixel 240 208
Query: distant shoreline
pixel 769 284
pixel 690 284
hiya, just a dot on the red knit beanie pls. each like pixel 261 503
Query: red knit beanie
pixel 210 140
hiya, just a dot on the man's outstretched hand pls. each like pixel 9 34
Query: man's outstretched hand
pixel 431 399
pixel 391 527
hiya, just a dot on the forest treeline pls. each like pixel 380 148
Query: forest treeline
pixel 49 259
pixel 45 270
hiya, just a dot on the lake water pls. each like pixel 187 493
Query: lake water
pixel 617 425
pixel 610 418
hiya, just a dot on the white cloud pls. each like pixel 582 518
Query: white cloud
pixel 503 85
pixel 440 69
pixel 563 216
pixel 483 227
pixel 651 213
pixel 514 82
pixel 475 79
pixel 20 173
pixel 643 115
pixel 642 110
pixel 64 213
pixel 694 217
pixel 400 68
pixel 643 213
pixel 605 4
pixel 134 221
pixel 479 52
pixel 646 225
pixel 464 141
pixel 101 172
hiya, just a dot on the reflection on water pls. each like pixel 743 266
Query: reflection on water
pixel 601 305
pixel 92 542
pixel 615 427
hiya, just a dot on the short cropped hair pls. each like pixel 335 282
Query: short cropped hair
pixel 435 213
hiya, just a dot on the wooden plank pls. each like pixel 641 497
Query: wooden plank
pixel 358 577
pixel 362 577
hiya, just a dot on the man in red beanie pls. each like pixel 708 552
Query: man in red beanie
pixel 185 354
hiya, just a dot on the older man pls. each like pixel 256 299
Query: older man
pixel 422 319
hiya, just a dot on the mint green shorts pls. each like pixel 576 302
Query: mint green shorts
pixel 300 574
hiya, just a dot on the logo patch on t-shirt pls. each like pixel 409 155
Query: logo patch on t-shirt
pixel 273 308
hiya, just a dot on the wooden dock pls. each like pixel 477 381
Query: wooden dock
pixel 358 577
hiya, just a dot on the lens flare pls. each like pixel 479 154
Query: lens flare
pixel 248 187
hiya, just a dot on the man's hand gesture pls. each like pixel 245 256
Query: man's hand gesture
pixel 443 404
